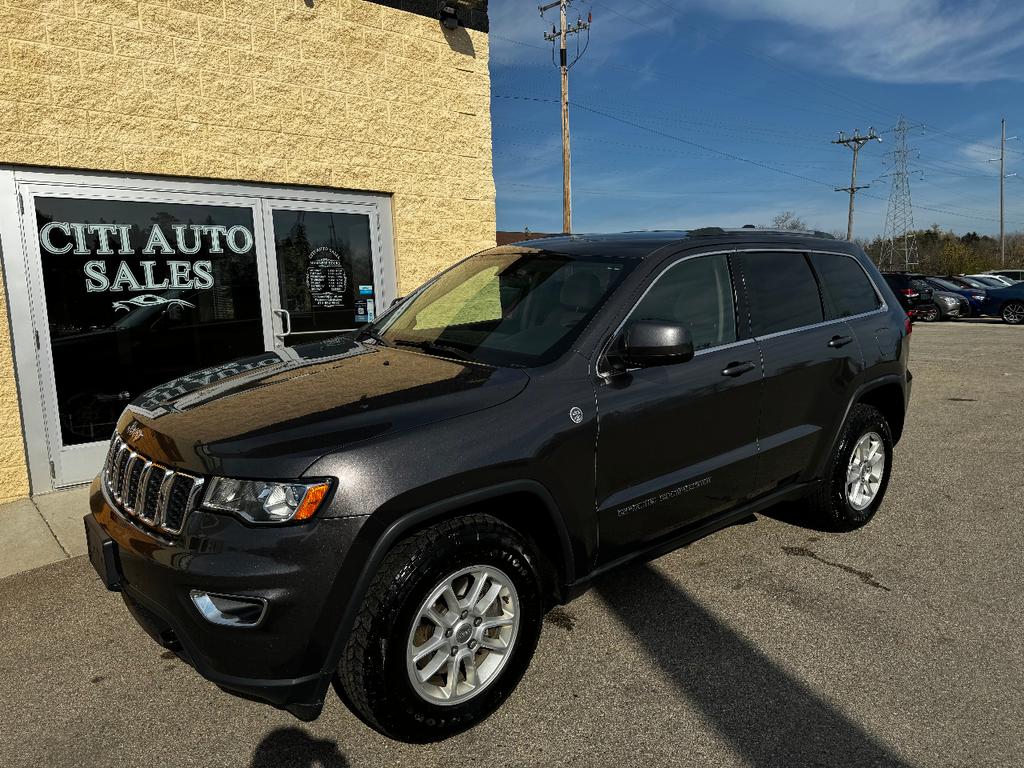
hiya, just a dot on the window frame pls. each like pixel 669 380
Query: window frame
pixel 884 307
pixel 738 302
pixel 821 289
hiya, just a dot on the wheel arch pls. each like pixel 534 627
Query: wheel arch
pixel 542 523
pixel 888 397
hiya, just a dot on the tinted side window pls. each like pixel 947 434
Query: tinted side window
pixel 844 285
pixel 781 290
pixel 697 293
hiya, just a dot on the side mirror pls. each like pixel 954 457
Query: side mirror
pixel 649 343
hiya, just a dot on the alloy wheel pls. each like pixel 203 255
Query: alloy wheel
pixel 462 635
pixel 1013 313
pixel 865 471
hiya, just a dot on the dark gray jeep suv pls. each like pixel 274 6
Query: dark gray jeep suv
pixel 393 511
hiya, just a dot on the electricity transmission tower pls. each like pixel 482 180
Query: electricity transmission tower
pixel 899 245
pixel 561 34
pixel 855 143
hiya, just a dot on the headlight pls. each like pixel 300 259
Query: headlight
pixel 949 302
pixel 266 502
pixel 978 297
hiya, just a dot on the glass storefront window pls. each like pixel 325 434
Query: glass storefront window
pixel 138 293
pixel 324 271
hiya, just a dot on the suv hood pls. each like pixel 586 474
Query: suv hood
pixel 273 414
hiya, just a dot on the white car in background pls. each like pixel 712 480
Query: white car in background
pixel 992 281
pixel 1017 275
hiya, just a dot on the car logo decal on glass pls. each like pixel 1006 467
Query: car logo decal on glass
pixel 134 431
pixel 149 300
pixel 576 414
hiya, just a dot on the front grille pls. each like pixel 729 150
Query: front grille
pixel 155 495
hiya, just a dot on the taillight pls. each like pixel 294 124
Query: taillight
pixel 908 326
pixel 908 292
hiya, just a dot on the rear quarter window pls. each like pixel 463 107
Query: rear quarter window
pixel 845 287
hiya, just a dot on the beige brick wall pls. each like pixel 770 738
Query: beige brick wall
pixel 347 94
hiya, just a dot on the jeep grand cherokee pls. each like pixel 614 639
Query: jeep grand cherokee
pixel 394 510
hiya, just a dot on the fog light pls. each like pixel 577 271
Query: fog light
pixel 229 610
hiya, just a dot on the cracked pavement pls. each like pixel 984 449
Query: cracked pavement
pixel 770 643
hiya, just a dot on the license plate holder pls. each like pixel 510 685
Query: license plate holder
pixel 103 554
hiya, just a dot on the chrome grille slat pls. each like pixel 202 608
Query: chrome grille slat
pixel 139 503
pixel 176 496
pixel 161 504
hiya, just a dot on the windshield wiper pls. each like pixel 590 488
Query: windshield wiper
pixel 367 333
pixel 433 348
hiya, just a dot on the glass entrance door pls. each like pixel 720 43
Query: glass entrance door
pixel 324 266
pixel 130 288
pixel 135 292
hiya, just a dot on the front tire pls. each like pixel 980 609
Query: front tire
pixel 929 314
pixel 1013 313
pixel 858 471
pixel 446 631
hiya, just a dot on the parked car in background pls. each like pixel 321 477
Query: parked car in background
pixel 1007 303
pixel 966 282
pixel 1017 275
pixel 992 281
pixel 975 297
pixel 946 305
pixel 913 293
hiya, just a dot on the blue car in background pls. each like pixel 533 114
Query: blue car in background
pixel 975 296
pixel 1007 303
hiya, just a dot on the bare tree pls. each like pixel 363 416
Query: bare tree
pixel 789 221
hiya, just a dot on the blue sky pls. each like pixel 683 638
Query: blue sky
pixel 667 86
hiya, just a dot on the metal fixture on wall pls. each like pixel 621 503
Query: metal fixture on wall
pixel 448 15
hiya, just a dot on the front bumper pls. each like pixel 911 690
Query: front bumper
pixel 296 569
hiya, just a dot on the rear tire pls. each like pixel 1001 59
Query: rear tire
pixel 855 479
pixel 1013 313
pixel 409 609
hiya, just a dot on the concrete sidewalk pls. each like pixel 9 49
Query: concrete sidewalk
pixel 41 530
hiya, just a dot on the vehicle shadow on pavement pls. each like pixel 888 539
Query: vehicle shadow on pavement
pixel 796 513
pixel 768 716
pixel 294 748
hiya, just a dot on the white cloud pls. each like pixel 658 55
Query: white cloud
pixel 903 41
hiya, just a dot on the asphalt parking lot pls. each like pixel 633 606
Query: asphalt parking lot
pixel 770 643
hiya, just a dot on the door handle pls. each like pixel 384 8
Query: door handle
pixel 839 341
pixel 738 369
pixel 286 323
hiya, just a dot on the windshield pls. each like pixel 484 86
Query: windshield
pixel 514 308
pixel 972 282
pixel 987 281
pixel 945 284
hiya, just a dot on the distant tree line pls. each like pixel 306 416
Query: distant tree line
pixel 940 252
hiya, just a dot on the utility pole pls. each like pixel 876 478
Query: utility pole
pixel 1003 176
pixel 855 143
pixel 561 35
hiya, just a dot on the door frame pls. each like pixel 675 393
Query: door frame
pixel 384 277
pixel 22 269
